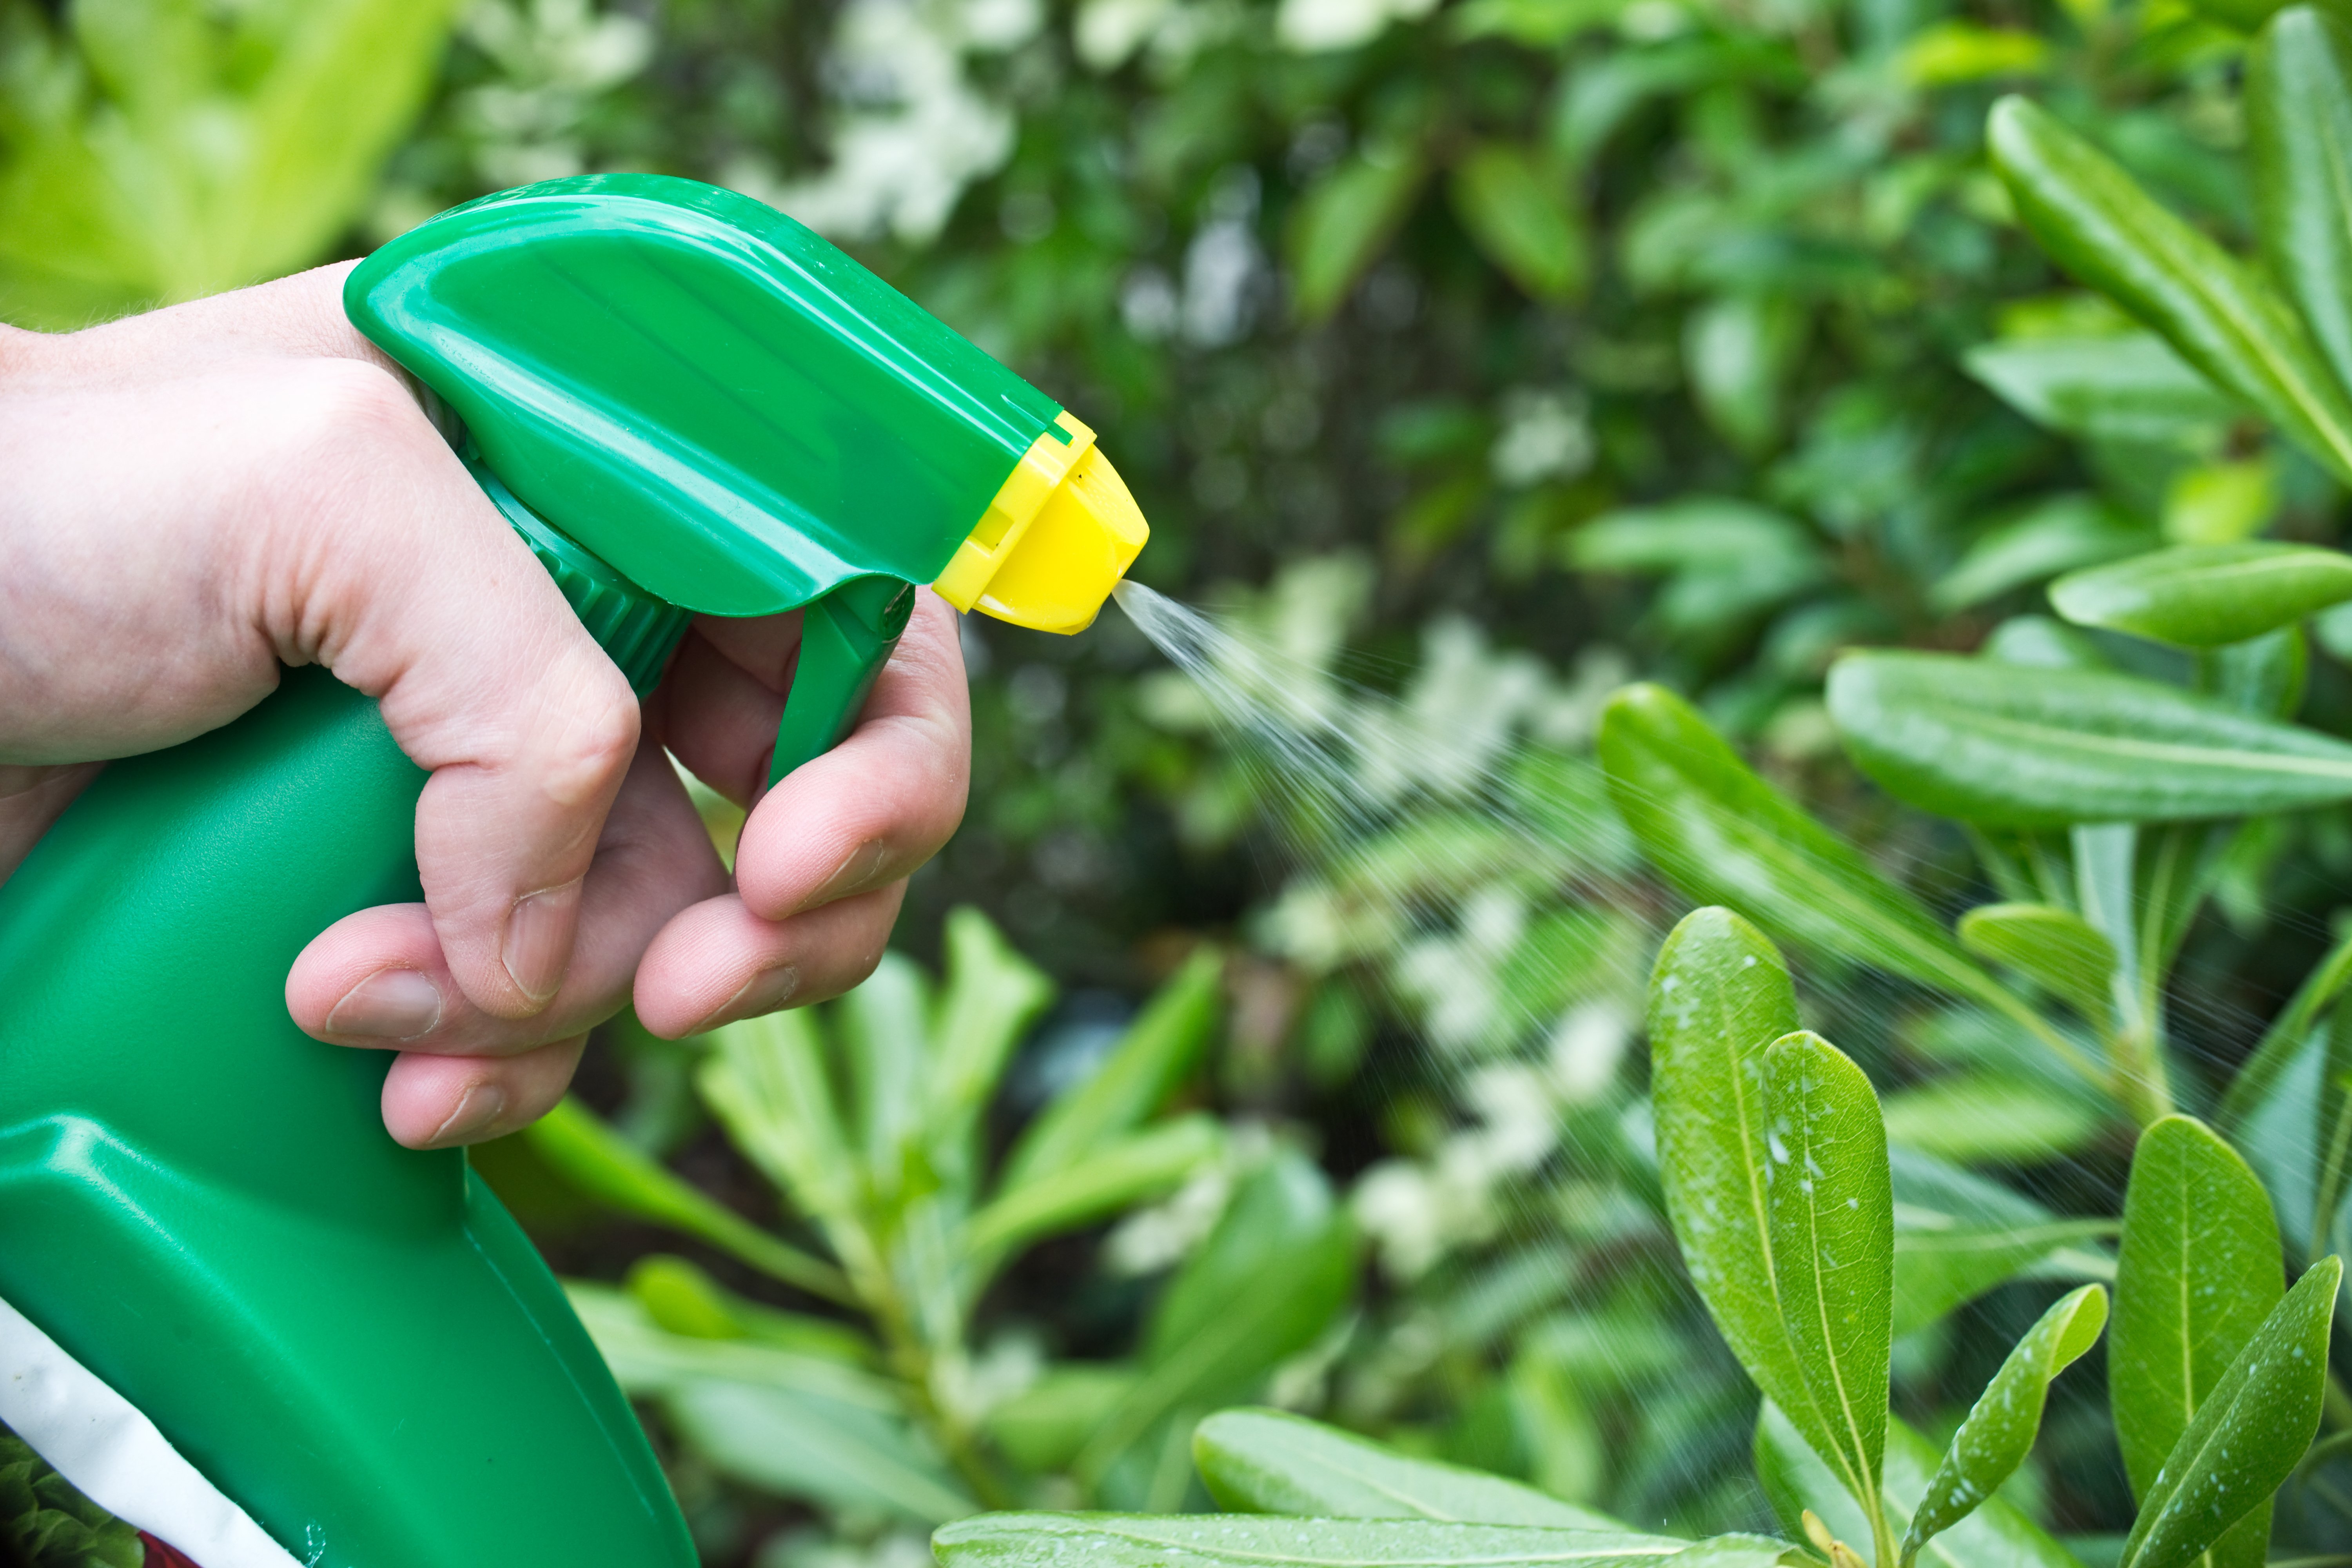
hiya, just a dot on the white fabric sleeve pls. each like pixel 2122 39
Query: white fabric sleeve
pixel 98 1440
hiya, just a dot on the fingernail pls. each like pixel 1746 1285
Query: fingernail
pixel 390 1005
pixel 481 1107
pixel 538 942
pixel 764 993
pixel 862 863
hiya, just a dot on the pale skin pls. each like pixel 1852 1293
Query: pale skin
pixel 199 497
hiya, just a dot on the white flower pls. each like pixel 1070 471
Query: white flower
pixel 1544 437
pixel 917 131
pixel 1308 26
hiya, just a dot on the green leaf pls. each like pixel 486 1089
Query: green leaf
pixel 2198 1271
pixel 1991 1118
pixel 766 1080
pixel 1280 1264
pixel 2298 102
pixel 1729 558
pixel 1739 351
pixel 2130 388
pixel 681 1298
pixel 2038 642
pixel 2203 595
pixel 1160 1050
pixel 2287 1037
pixel 790 1423
pixel 1344 223
pixel 1723 834
pixel 1996 1535
pixel 1270 1461
pixel 2056 535
pixel 2263 676
pixel 1719 998
pixel 1154 1540
pixel 2055 947
pixel 1966 738
pixel 580 1147
pixel 1106 1181
pixel 1957 1236
pixel 991 996
pixel 1043 1427
pixel 1521 219
pixel 2222 317
pixel 2247 1436
pixel 885 1031
pixel 2000 1429
pixel 192 149
pixel 2221 503
pixel 1832 1225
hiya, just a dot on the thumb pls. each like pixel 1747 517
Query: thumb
pixel 394 569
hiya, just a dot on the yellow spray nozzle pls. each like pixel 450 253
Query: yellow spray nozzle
pixel 1057 538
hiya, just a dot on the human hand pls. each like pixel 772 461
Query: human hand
pixel 200 495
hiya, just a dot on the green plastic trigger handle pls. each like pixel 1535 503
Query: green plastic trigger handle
pixel 845 639
pixel 689 405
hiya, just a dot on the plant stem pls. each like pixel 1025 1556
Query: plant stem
pixel 1882 1538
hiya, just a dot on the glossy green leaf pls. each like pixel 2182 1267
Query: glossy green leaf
pixel 1719 998
pixel 2203 595
pixel 1966 738
pixel 2000 1427
pixel 1280 1265
pixel 578 1145
pixel 2198 1269
pixel 1995 1535
pixel 2224 318
pixel 1833 1225
pixel 1343 224
pixel 2060 534
pixel 1143 1165
pixel 1957 1236
pixel 2053 946
pixel 2247 1436
pixel 2128 388
pixel 1521 219
pixel 1972 1117
pixel 1160 1050
pixel 1723 835
pixel 1270 1461
pixel 1152 1541
pixel 2298 100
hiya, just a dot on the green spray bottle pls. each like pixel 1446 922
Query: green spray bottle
pixel 212 1256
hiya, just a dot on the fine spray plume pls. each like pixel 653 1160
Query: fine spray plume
pixel 233 1312
pixel 1451 839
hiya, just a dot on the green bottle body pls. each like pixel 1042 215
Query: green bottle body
pixel 687 404
pixel 198 1201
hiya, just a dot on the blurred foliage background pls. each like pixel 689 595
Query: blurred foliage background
pixel 1471 357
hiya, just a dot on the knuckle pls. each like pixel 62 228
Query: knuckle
pixel 596 740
